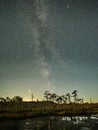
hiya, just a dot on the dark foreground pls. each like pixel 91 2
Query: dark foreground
pixel 51 123
pixel 37 109
pixel 48 116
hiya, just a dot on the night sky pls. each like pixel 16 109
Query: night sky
pixel 48 45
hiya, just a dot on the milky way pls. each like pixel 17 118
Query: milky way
pixel 48 45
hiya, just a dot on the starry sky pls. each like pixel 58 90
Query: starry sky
pixel 48 45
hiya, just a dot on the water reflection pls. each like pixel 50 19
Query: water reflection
pixel 32 124
pixel 51 123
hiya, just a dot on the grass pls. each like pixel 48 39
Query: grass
pixel 35 109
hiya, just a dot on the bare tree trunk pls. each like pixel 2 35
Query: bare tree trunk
pixel 49 124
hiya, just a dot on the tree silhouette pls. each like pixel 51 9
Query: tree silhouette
pixel 32 97
pixel 8 99
pixel 59 99
pixel 80 100
pixel 17 99
pixel 68 97
pixel 64 98
pixel 2 99
pixel 53 97
pixel 75 95
pixel 47 95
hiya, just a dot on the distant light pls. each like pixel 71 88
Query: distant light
pixel 29 91
pixel 67 6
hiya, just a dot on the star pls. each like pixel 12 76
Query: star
pixel 29 91
pixel 67 6
pixel 30 46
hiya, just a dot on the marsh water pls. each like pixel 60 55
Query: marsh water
pixel 51 123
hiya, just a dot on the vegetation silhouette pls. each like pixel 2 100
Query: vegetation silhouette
pixel 69 104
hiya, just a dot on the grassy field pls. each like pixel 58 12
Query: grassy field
pixel 34 109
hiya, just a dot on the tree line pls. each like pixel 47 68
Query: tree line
pixel 16 99
pixel 66 98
